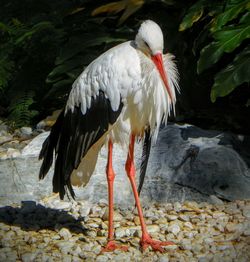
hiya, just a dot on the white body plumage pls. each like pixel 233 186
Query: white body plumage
pixel 125 75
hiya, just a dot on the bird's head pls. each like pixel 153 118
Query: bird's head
pixel 149 40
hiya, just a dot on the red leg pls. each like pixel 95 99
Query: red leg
pixel 146 240
pixel 111 245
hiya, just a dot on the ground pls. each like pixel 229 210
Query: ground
pixel 54 230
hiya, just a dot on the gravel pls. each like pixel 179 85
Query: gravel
pixel 46 231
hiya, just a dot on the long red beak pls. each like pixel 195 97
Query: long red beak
pixel 157 59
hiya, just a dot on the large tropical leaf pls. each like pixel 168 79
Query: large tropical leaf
pixel 129 7
pixel 65 67
pixel 231 37
pixel 232 76
pixel 77 45
pixel 226 41
pixel 228 16
pixel 193 15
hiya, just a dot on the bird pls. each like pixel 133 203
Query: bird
pixel 124 95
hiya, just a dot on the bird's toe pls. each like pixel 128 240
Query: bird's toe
pixel 156 245
pixel 111 246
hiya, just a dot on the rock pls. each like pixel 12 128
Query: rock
pixel 67 258
pixel 153 229
pixel 186 244
pixel 212 162
pixel 93 225
pixel 26 131
pixel 218 214
pixel 12 153
pixel 232 209
pixel 224 245
pixel 172 217
pixel 233 227
pixel 174 228
pixel 137 221
pixel 4 137
pixel 92 233
pixel 246 211
pixel 85 210
pixel 188 225
pixel 27 257
pixel 65 246
pixel 117 216
pixel 65 234
pixel 122 232
pixel 215 200
pixel 163 258
pixel 101 258
pixel 184 218
pixel 34 147
pixel 165 173
pixel 177 206
pixel 97 249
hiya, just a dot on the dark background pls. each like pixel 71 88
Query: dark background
pixel 44 46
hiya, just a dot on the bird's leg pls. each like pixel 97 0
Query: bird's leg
pixel 111 245
pixel 146 239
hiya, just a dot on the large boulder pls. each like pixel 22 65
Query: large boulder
pixel 190 163
pixel 186 163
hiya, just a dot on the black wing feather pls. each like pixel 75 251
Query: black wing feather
pixel 145 157
pixel 72 136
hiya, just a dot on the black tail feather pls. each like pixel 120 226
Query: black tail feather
pixel 145 157
pixel 49 146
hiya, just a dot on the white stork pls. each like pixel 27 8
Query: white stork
pixel 124 92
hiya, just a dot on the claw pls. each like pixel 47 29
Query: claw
pixel 156 245
pixel 111 246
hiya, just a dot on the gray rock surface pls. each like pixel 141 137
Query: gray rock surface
pixel 190 163
pixel 187 163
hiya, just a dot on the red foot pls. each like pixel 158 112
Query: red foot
pixel 146 241
pixel 111 246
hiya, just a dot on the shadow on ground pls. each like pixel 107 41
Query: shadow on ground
pixel 32 217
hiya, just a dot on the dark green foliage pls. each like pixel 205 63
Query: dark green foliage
pixel 28 50
pixel 20 113
pixel 45 45
pixel 227 29
pixel 235 74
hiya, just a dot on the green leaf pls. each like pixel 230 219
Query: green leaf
pixel 210 54
pixel 245 18
pixel 76 46
pixel 6 71
pixel 193 15
pixel 129 7
pixel 4 28
pixel 231 37
pixel 227 40
pixel 30 32
pixel 227 16
pixel 20 113
pixel 232 76
pixel 65 67
pixel 58 86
